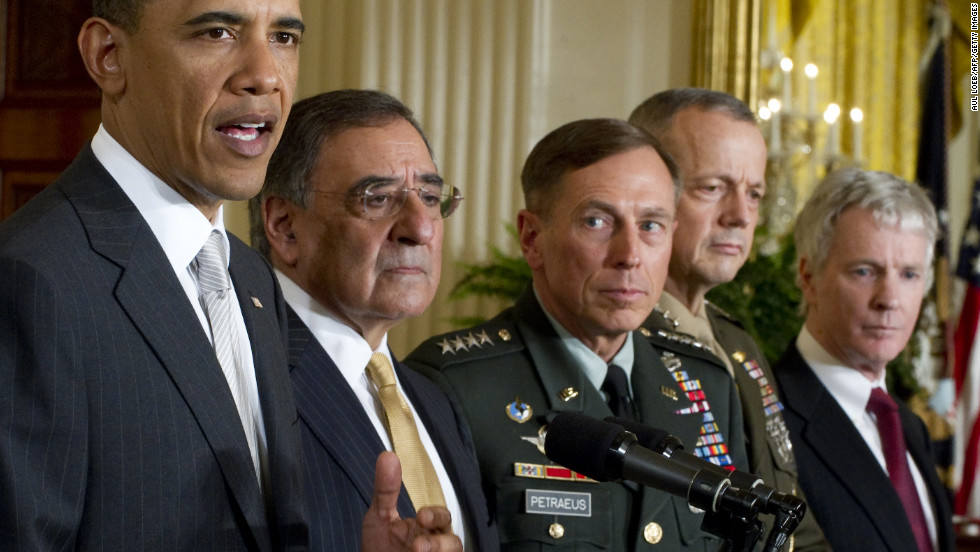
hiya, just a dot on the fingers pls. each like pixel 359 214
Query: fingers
pixel 435 518
pixel 437 543
pixel 387 483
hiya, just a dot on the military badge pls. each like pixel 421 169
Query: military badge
pixel 519 411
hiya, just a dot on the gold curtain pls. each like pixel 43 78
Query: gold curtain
pixel 867 53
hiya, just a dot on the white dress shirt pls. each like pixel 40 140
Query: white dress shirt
pixel 852 390
pixel 351 353
pixel 181 229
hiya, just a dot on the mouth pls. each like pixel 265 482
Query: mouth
pixel 248 135
pixel 625 295
pixel 728 248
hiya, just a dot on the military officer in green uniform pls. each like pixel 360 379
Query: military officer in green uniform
pixel 722 159
pixel 600 199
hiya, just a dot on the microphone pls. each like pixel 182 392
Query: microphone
pixel 787 508
pixel 658 440
pixel 608 452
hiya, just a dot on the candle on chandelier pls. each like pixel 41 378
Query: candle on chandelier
pixel 811 89
pixel 775 138
pixel 786 65
pixel 856 117
pixel 833 131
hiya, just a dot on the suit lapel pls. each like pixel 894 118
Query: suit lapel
pixel 447 432
pixel 926 464
pixel 339 423
pixel 828 430
pixel 149 292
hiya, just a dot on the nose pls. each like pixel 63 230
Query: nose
pixel 414 224
pixel 625 249
pixel 737 209
pixel 886 296
pixel 260 71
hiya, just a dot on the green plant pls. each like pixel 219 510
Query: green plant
pixel 764 297
pixel 504 277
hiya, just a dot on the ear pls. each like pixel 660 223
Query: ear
pixel 529 228
pixel 806 280
pixel 278 216
pixel 98 42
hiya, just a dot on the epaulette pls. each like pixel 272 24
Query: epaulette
pixel 680 338
pixel 665 314
pixel 484 341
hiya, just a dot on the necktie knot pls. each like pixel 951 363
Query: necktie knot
pixel 212 265
pixel 380 371
pixel 880 404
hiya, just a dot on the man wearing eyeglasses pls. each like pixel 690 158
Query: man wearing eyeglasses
pixel 351 217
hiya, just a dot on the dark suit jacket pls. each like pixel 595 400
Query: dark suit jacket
pixel 341 446
pixel 119 429
pixel 518 358
pixel 846 489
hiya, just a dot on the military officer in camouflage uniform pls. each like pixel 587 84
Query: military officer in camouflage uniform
pixel 722 159
pixel 596 232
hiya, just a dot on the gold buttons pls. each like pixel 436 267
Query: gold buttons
pixel 556 530
pixel 504 334
pixel 645 332
pixel 653 532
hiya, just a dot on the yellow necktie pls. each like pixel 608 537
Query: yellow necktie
pixel 417 472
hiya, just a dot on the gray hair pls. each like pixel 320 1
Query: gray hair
pixel 893 202
pixel 312 122
pixel 656 112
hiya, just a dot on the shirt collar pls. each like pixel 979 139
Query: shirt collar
pixel 848 386
pixel 347 348
pixel 587 360
pixel 693 323
pixel 179 226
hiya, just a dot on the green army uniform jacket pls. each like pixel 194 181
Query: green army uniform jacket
pixel 766 435
pixel 508 375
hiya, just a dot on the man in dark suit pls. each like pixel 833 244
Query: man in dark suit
pixel 864 243
pixel 351 217
pixel 600 197
pixel 143 383
pixel 721 154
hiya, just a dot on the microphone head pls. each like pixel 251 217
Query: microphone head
pixel 582 444
pixel 652 438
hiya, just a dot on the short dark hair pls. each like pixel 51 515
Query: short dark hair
pixel 311 123
pixel 124 13
pixel 657 111
pixel 577 145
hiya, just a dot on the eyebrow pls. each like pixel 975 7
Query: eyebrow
pixel 655 212
pixel 231 18
pixel 370 180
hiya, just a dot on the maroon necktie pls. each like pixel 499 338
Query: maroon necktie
pixel 893 444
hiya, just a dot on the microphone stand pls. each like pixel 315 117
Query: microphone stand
pixel 740 534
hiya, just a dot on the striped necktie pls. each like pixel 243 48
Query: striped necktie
pixel 211 265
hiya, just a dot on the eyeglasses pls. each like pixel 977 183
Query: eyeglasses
pixel 384 199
